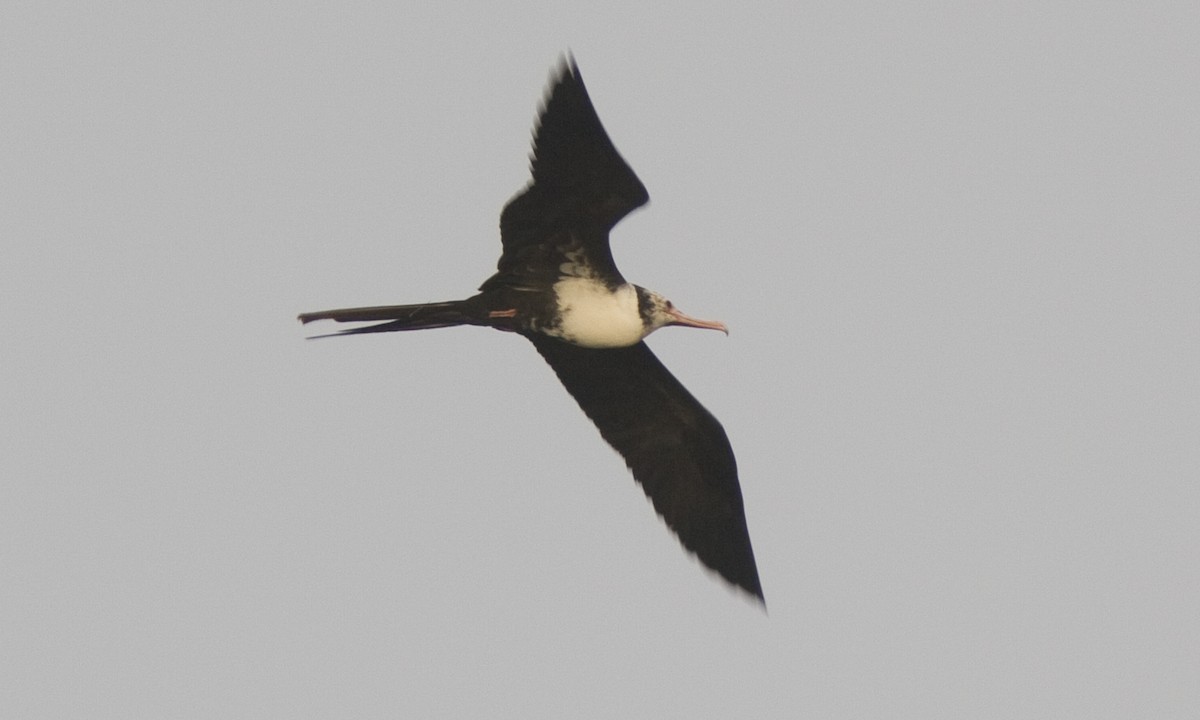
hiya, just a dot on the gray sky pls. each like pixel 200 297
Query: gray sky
pixel 956 245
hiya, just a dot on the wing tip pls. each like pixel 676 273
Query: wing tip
pixel 566 66
pixel 745 581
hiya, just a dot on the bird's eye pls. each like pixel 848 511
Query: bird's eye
pixel 670 305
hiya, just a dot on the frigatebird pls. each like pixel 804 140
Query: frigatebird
pixel 557 284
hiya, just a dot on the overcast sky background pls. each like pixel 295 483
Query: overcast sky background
pixel 956 245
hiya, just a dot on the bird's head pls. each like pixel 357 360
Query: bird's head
pixel 657 312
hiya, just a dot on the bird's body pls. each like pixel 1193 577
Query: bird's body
pixel 594 316
pixel 557 284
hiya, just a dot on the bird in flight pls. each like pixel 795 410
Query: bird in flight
pixel 556 284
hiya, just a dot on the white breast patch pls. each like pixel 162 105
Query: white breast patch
pixel 595 317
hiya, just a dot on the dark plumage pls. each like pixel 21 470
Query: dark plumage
pixel 556 283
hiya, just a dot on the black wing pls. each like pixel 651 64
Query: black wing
pixel 581 188
pixel 676 449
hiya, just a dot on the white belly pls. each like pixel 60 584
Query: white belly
pixel 595 317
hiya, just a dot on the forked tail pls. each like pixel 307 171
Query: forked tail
pixel 399 317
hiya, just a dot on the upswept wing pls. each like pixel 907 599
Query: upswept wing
pixel 581 188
